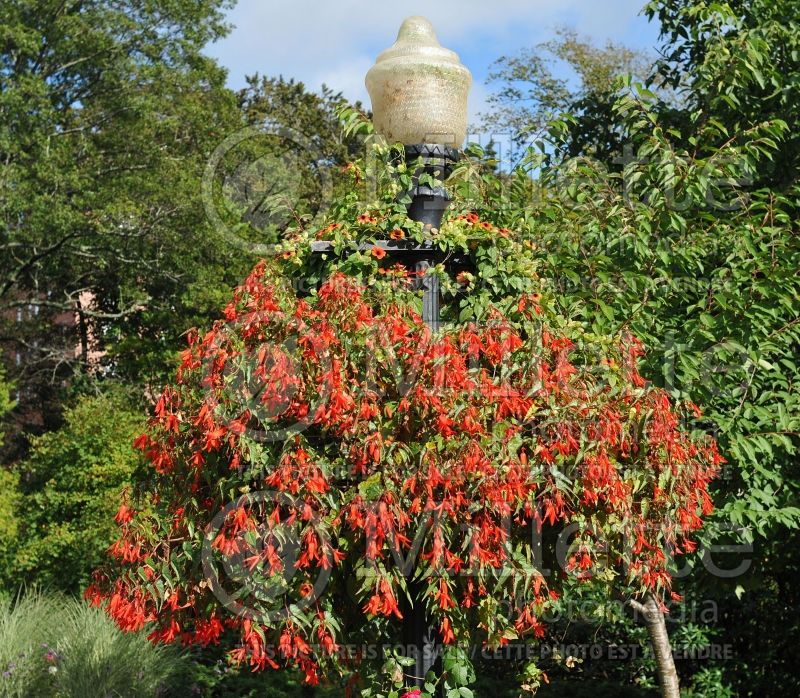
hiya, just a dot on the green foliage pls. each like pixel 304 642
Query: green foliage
pixel 108 240
pixel 69 490
pixel 9 497
pixel 283 166
pixel 313 142
pixel 51 647
pixel 712 294
pixel 736 64
pixel 9 522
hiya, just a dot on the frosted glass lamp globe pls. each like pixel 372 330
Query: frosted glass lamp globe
pixel 419 89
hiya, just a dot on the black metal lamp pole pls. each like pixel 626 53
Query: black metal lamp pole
pixel 428 204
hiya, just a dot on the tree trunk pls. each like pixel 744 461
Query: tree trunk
pixel 83 334
pixel 659 640
pixel 420 639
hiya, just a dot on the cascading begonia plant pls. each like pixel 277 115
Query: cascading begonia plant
pixel 320 446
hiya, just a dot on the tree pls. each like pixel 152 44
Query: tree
pixel 737 65
pixel 702 269
pixel 311 447
pixel 68 490
pixel 314 116
pixel 530 94
pixel 116 232
pixel 289 168
pixel 108 112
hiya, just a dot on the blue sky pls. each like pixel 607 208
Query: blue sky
pixel 337 42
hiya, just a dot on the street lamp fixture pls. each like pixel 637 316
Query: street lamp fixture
pixel 419 96
pixel 419 91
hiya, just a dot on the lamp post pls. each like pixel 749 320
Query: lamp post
pixel 418 91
